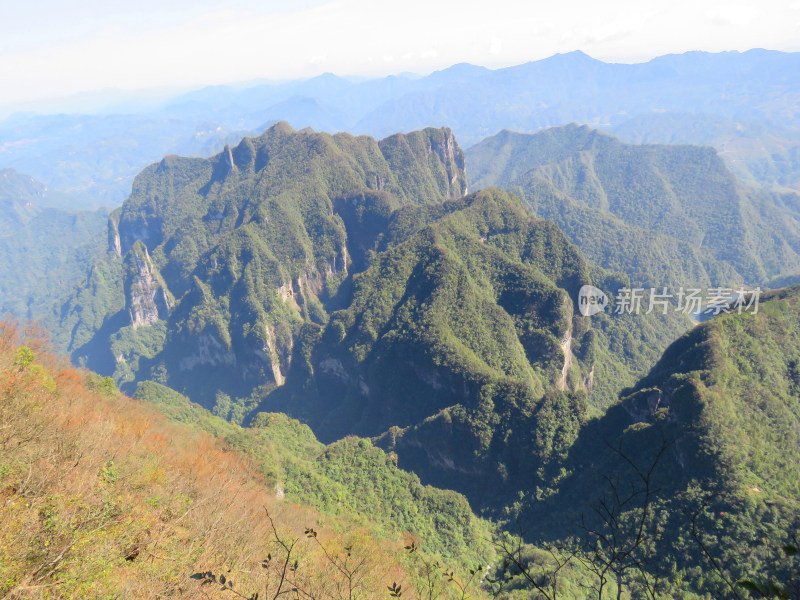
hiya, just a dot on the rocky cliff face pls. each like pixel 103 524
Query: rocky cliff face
pixel 114 243
pixel 452 158
pixel 240 249
pixel 146 298
pixel 436 155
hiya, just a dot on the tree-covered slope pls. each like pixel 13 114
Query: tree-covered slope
pixel 735 380
pixel 463 350
pixel 717 423
pixel 44 249
pixel 665 215
pixel 104 497
pixel 221 258
pixel 346 282
pixel 727 391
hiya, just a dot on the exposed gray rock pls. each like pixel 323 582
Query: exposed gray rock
pixel 146 298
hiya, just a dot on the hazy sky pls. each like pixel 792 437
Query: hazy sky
pixel 57 47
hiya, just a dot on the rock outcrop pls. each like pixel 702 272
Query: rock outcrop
pixel 114 244
pixel 146 297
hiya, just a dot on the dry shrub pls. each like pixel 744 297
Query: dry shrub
pixel 101 497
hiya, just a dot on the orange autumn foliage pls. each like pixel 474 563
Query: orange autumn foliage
pixel 102 497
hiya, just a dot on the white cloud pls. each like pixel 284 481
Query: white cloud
pixel 731 15
pixel 368 37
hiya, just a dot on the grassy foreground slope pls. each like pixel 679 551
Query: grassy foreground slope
pixel 101 496
pixel 349 478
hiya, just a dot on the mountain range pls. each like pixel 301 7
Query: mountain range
pixel 347 321
pixel 297 263
pixel 744 104
pixel 666 215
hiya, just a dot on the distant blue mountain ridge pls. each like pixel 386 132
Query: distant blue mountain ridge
pixel 744 104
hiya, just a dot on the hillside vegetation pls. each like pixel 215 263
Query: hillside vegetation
pixel 350 478
pixel 350 284
pixel 45 245
pixel 665 215
pixel 718 422
pixel 102 497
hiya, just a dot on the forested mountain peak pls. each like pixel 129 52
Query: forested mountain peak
pixel 350 283
pixel 257 235
pixel 685 217
pixel 19 198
